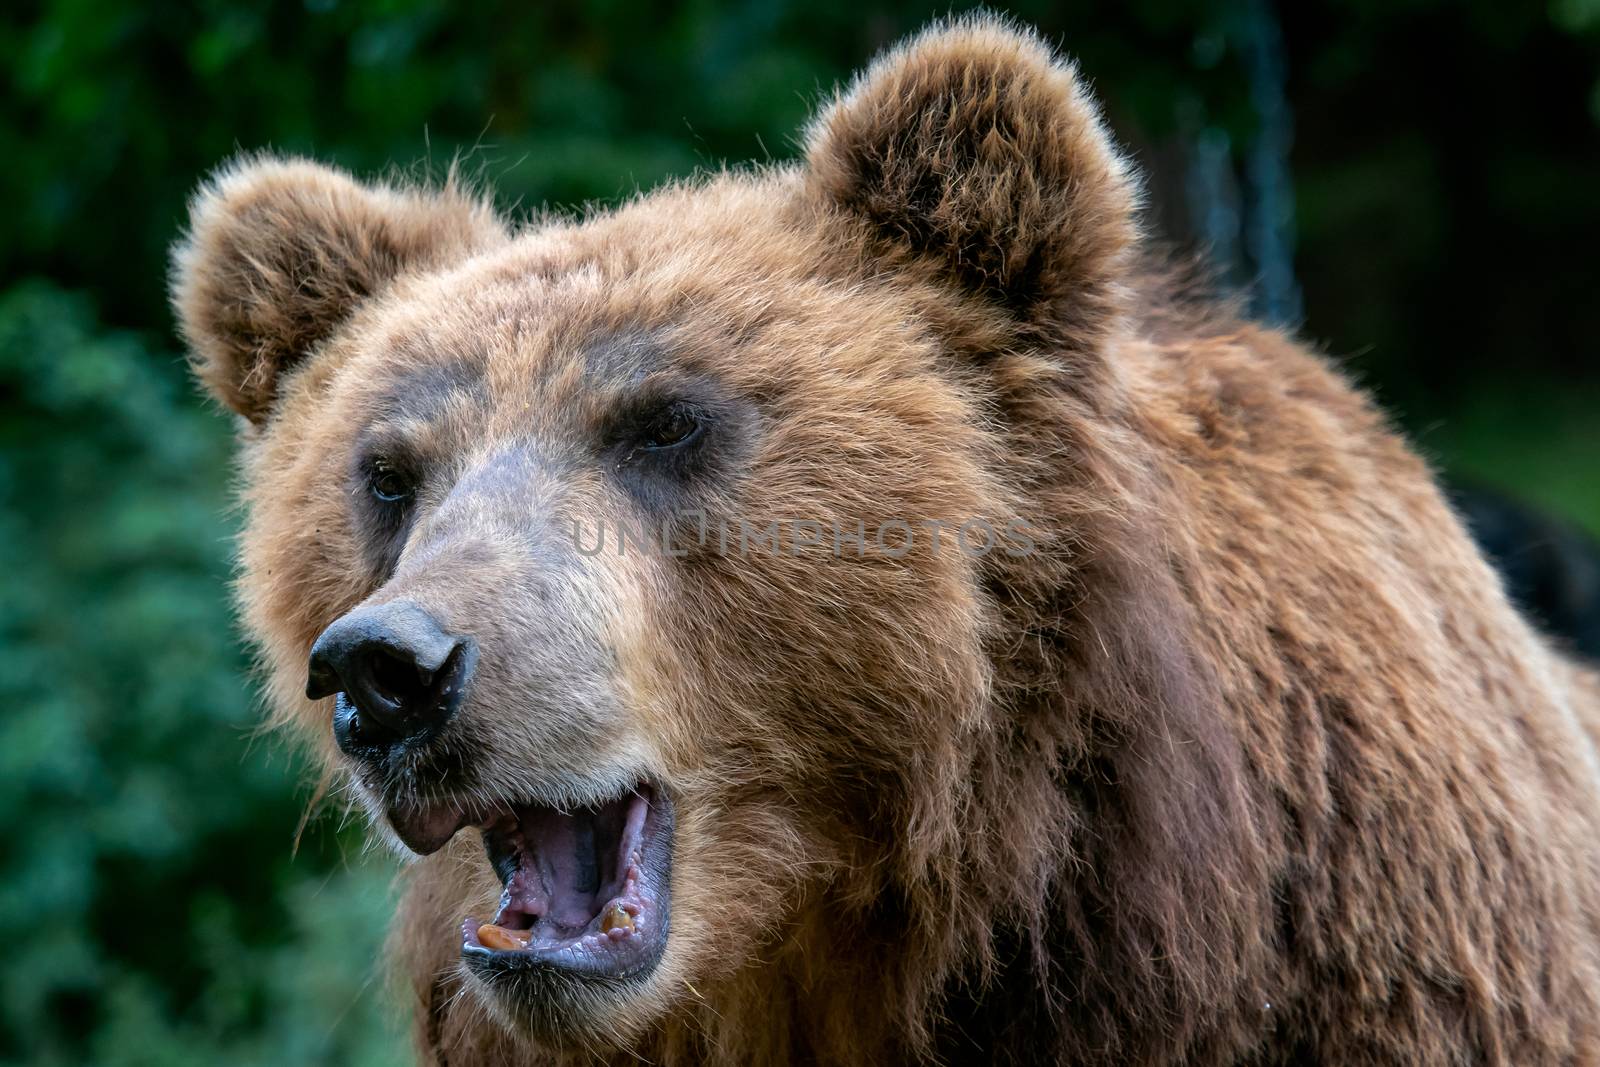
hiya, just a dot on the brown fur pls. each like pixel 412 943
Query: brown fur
pixel 1249 762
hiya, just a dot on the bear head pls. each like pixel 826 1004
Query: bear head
pixel 664 574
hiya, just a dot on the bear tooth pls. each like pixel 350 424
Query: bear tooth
pixel 615 918
pixel 503 940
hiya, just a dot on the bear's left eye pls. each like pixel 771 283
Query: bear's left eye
pixel 389 483
pixel 676 425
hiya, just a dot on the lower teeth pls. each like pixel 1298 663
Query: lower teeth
pixel 503 940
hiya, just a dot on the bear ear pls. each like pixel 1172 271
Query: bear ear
pixel 280 251
pixel 974 148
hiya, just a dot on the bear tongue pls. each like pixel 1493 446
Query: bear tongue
pixel 560 868
pixel 554 879
pixel 568 850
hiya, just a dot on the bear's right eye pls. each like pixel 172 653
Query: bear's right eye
pixel 389 483
pixel 677 425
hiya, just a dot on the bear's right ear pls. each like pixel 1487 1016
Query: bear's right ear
pixel 975 151
pixel 280 251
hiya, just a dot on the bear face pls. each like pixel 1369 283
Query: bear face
pixel 442 414
pixel 518 409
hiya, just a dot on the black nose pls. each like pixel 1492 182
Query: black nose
pixel 402 676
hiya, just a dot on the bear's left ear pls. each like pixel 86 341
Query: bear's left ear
pixel 279 252
pixel 973 148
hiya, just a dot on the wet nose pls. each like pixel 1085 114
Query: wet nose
pixel 402 676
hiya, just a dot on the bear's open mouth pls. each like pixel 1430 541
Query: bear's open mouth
pixel 587 889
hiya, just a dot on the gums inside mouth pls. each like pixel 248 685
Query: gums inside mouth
pixel 586 889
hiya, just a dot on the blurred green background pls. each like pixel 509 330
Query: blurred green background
pixel 1414 182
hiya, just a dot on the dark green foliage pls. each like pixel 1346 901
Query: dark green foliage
pixel 1444 165
pixel 151 907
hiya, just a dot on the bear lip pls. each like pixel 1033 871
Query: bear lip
pixel 426 829
pixel 569 877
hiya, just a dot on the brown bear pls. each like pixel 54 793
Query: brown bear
pixel 1203 735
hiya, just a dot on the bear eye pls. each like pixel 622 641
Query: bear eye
pixel 676 425
pixel 389 483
